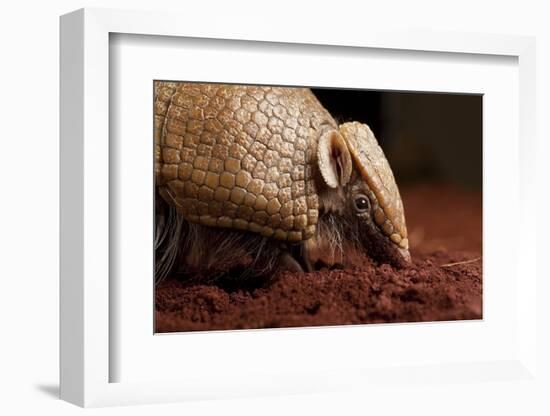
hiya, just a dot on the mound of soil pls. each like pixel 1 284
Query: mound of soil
pixel 443 283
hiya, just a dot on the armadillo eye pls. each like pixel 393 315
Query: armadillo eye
pixel 362 204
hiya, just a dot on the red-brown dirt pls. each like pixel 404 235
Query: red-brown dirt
pixel 444 226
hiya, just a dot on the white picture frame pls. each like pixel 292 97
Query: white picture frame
pixel 87 301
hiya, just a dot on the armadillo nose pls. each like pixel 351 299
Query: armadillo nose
pixel 405 255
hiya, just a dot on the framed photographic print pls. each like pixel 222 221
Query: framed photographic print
pixel 285 213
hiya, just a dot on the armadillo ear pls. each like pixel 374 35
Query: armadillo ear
pixel 334 159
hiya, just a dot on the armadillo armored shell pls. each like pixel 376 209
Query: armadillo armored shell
pixel 240 157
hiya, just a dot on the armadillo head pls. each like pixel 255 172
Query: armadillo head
pixel 354 167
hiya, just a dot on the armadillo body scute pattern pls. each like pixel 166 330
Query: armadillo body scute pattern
pixel 239 157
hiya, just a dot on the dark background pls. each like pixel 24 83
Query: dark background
pixel 427 137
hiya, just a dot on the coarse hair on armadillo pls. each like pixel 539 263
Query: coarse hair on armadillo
pixel 209 253
pixel 335 239
pixel 169 228
pixel 182 246
pixel 338 233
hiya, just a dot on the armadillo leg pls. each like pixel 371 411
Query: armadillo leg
pixel 287 262
pixel 308 264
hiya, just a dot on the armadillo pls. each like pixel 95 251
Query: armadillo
pixel 267 172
